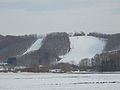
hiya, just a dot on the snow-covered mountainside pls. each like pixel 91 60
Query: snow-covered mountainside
pixel 35 46
pixel 83 47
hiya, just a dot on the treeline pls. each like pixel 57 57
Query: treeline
pixel 11 46
pixel 109 61
pixel 112 40
pixel 105 62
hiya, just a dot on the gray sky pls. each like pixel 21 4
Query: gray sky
pixel 43 16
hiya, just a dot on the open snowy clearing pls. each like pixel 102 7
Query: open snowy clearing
pixel 51 81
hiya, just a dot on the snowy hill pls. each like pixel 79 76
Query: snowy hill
pixel 83 47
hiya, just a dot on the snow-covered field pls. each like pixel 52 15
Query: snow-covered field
pixel 51 81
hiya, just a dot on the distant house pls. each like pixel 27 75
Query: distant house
pixel 55 70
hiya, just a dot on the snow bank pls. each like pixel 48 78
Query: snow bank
pixel 83 47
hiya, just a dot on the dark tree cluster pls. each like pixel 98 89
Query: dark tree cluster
pixel 109 61
pixel 79 34
pixel 11 46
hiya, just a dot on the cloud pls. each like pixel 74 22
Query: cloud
pixel 43 16
pixel 49 5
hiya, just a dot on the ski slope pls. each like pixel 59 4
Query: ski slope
pixel 35 46
pixel 83 47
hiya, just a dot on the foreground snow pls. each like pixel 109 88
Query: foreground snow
pixel 83 47
pixel 47 81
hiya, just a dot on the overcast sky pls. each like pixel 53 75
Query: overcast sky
pixel 43 16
